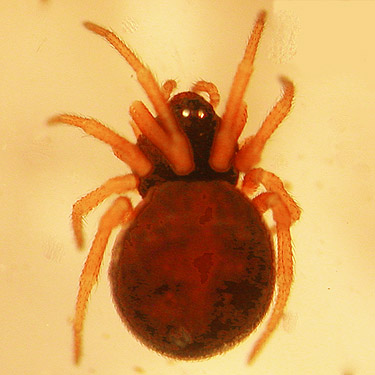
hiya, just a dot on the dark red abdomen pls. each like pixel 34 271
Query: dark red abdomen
pixel 194 272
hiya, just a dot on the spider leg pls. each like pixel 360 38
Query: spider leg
pixel 250 153
pixel 137 132
pixel 284 265
pixel 272 183
pixel 241 120
pixel 285 211
pixel 177 148
pixel 122 148
pixel 171 147
pixel 210 89
pixel 116 185
pixel 118 214
pixel 225 141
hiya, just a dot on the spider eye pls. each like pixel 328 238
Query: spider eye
pixel 201 113
pixel 185 112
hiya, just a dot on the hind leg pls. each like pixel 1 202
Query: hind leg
pixel 285 211
pixel 118 214
pixel 115 185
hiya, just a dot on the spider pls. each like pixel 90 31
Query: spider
pixel 195 268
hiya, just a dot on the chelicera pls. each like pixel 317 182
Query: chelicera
pixel 195 269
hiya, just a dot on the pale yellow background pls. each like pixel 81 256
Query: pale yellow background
pixel 325 152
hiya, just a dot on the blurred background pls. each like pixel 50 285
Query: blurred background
pixel 323 151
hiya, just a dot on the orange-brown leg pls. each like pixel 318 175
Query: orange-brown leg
pixel 284 264
pixel 118 214
pixel 210 89
pixel 122 148
pixel 272 183
pixel 172 147
pixel 174 141
pixel 116 185
pixel 249 155
pixel 225 141
pixel 285 212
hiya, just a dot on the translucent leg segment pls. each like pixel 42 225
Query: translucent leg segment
pixel 225 140
pixel 174 142
pixel 122 148
pixel 118 214
pixel 116 185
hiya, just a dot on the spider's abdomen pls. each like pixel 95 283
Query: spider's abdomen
pixel 194 272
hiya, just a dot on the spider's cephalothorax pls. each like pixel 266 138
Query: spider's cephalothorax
pixel 195 269
pixel 198 120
